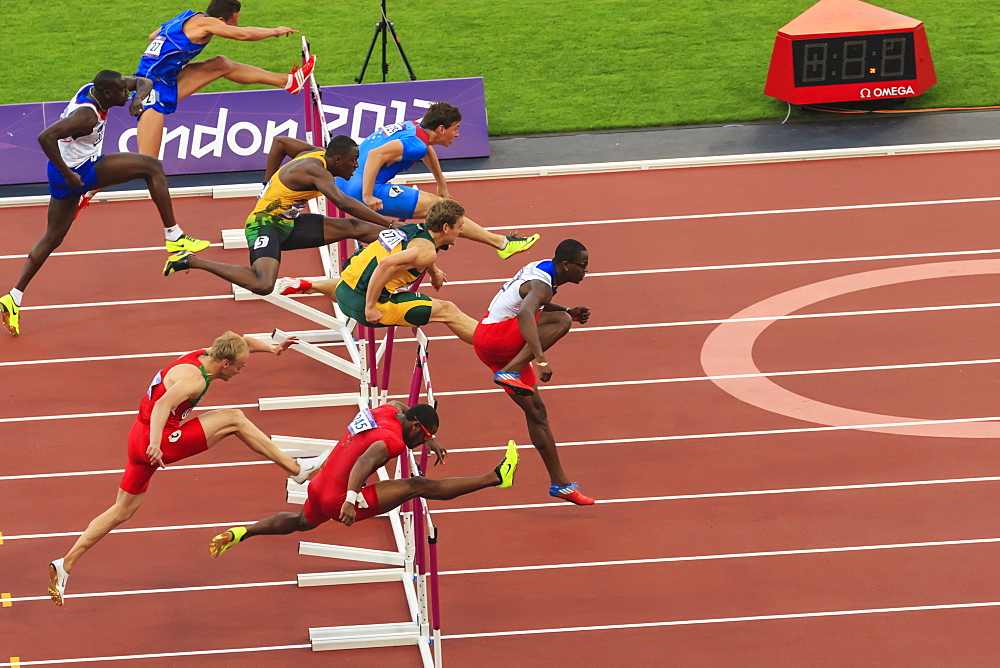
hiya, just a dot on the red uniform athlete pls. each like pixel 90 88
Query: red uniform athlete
pixel 519 326
pixel 339 492
pixel 160 436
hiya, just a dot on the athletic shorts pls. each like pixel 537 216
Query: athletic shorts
pixel 325 501
pixel 57 182
pixel 397 201
pixel 268 235
pixel 163 97
pixel 498 343
pixel 405 309
pixel 178 443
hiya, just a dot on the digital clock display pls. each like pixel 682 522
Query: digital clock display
pixel 854 59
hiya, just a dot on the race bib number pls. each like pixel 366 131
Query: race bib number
pixel 174 437
pixel 395 191
pixel 391 238
pixel 151 99
pixel 363 421
pixel 154 47
pixel 389 130
pixel 263 190
pixel 261 242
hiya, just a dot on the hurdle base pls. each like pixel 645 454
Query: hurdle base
pixel 364 635
pixel 309 401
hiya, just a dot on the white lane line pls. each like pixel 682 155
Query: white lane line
pixel 177 467
pixel 159 655
pixel 102 251
pixel 724 620
pixel 560 566
pixel 166 590
pixel 73 416
pixel 561 504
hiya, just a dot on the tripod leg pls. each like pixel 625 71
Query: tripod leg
pixel 379 30
pixel 402 54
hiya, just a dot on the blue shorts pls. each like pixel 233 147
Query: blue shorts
pixel 57 184
pixel 397 201
pixel 163 97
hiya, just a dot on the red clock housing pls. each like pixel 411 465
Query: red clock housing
pixel 848 50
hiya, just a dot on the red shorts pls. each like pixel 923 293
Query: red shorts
pixel 325 501
pixel 498 343
pixel 178 443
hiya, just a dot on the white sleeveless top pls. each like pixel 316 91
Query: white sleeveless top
pixel 77 151
pixel 507 303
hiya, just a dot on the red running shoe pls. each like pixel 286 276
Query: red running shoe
pixel 512 381
pixel 84 202
pixel 297 77
pixel 570 493
pixel 291 286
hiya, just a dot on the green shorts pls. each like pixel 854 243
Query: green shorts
pixel 405 309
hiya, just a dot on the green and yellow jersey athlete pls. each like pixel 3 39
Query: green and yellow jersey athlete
pixel 369 286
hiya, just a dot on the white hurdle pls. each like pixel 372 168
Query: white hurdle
pixel 408 563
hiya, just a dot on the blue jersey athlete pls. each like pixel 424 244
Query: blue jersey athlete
pixel 167 62
pixel 393 149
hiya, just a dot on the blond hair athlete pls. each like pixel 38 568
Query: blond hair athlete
pixel 162 434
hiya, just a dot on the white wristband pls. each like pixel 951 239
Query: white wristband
pixel 352 497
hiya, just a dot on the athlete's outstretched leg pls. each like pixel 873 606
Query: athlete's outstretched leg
pixel 258 279
pixel 221 423
pixel 116 168
pixel 460 324
pixel 275 525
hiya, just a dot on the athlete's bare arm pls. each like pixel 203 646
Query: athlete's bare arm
pixel 258 346
pixel 322 180
pixel 534 295
pixel 141 86
pixel 375 456
pixel 281 148
pixel 386 154
pixel 434 165
pixel 200 29
pixel 78 124
pixel 419 255
pixel 182 382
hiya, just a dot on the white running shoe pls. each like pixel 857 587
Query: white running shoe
pixel 57 581
pixel 308 466
pixel 290 286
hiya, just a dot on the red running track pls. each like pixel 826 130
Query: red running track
pixel 727 533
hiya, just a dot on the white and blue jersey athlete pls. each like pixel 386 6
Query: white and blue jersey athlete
pixel 80 153
pixel 163 59
pixel 397 201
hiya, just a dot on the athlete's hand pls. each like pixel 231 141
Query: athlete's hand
pixel 437 277
pixel 347 513
pixel 135 107
pixel 544 372
pixel 580 313
pixel 373 203
pixel 73 180
pixel 438 452
pixel 283 30
pixel 155 456
pixel 278 348
pixel 373 315
pixel 443 193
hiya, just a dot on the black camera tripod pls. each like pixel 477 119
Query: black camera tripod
pixel 383 28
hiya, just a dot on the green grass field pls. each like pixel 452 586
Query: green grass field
pixel 548 66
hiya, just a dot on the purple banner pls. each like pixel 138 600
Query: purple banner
pixel 231 132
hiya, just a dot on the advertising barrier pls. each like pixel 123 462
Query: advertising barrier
pixel 230 132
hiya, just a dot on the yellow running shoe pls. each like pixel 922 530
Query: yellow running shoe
pixel 186 243
pixel 226 540
pixel 177 262
pixel 8 314
pixel 507 466
pixel 516 245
